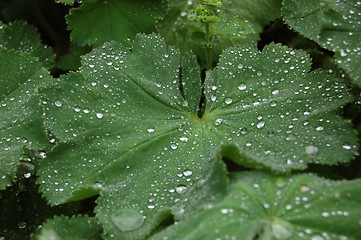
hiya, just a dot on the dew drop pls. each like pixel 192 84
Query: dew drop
pixel 346 146
pixel 260 124
pixel 311 149
pixel 40 154
pixel 151 130
pixel 76 109
pixel 275 92
pixel 99 115
pixel 183 139
pixel 228 100
pixel 58 103
pixel 127 219
pixel 218 121
pixel 280 182
pixel 282 230
pixel 242 87
pixel 304 188
pixel 243 131
pixel 22 225
pixel 27 175
pixel 213 98
pixel 187 173
pixel 273 103
pixel 319 128
pixel 173 146
pixel 181 189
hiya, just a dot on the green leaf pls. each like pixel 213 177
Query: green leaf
pixel 60 227
pixel 23 37
pixel 20 111
pixel 264 206
pixel 259 12
pixel 332 24
pixel 129 126
pixel 98 21
pixel 272 109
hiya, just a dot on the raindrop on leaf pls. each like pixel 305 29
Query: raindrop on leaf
pixel 127 219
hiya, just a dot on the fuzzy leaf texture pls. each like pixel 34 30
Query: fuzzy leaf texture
pixel 129 128
pixel 23 37
pixel 60 227
pixel 335 25
pixel 96 21
pixel 21 124
pixel 267 207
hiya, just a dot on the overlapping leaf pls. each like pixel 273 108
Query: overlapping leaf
pixel 129 126
pixel 80 227
pixel 25 38
pixel 97 21
pixel 20 112
pixel 263 206
pixel 335 25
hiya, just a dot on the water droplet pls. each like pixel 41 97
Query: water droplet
pixel 151 130
pixel 173 146
pixel 275 92
pixel 260 124
pixel 86 110
pixel 213 98
pixel 240 66
pixel 77 109
pixel 40 154
pixel 58 103
pixel 311 149
pixel 181 189
pixel 280 182
pixel 27 175
pixel 127 219
pixel 243 131
pixel 22 225
pixel 346 146
pixel 319 128
pixel 228 100
pixel 183 139
pixel 99 115
pixel 304 188
pixel 282 230
pixel 187 173
pixel 242 87
pixel 218 121
pixel 273 103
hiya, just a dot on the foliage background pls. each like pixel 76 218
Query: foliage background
pixel 41 46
